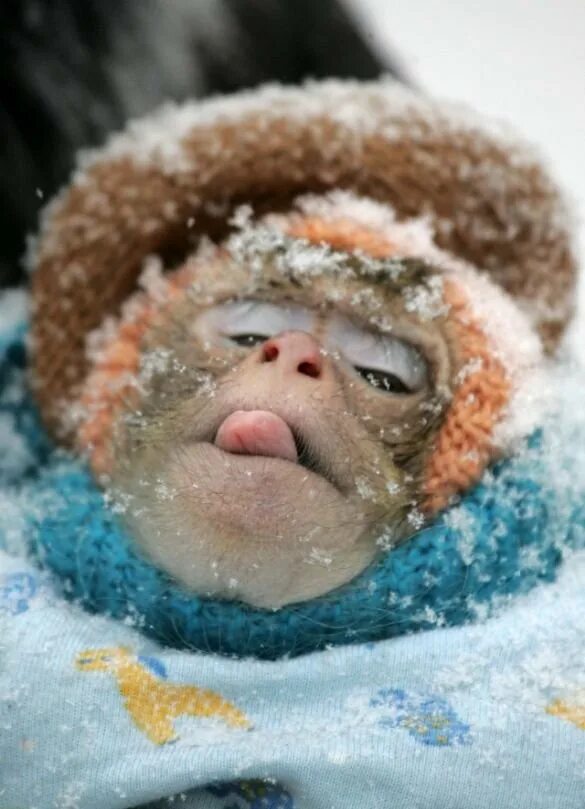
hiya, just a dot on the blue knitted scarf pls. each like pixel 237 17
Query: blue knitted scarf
pixel 506 535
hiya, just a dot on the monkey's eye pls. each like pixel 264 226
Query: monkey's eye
pixel 248 340
pixel 383 380
pixel 249 323
pixel 384 361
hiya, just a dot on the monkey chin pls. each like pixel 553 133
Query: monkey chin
pixel 263 530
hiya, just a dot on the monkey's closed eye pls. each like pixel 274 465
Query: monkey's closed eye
pixel 247 340
pixel 384 361
pixel 383 380
pixel 248 323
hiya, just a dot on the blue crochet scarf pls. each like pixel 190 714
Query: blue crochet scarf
pixel 504 537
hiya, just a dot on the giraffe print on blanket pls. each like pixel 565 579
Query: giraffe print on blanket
pixel 153 703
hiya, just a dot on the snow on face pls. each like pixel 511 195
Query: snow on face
pixel 354 441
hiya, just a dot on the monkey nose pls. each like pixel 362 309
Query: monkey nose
pixel 257 432
pixel 294 352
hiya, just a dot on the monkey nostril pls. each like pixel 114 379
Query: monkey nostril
pixel 294 352
pixel 309 369
pixel 269 352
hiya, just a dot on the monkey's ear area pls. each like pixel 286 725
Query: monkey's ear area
pixel 499 392
pixel 180 174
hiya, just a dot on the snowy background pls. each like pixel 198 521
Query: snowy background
pixel 518 60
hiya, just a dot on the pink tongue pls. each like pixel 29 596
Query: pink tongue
pixel 257 432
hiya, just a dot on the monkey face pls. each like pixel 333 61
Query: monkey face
pixel 275 441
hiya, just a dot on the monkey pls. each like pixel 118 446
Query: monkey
pixel 273 441
pixel 290 349
pixel 352 234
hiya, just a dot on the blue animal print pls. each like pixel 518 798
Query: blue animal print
pixel 16 591
pixel 254 794
pixel 430 720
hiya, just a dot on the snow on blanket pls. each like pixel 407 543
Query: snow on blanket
pixel 92 715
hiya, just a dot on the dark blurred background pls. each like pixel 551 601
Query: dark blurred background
pixel 72 71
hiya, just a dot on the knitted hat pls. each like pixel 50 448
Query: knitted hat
pixel 180 173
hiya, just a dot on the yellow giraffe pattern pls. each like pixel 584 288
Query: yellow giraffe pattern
pixel 153 703
pixel 572 713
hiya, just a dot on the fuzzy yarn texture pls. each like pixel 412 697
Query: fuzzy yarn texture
pixel 505 536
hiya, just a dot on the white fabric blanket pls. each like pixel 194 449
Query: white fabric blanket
pixel 93 716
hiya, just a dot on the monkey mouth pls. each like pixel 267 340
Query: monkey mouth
pixel 264 433
pixel 307 458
